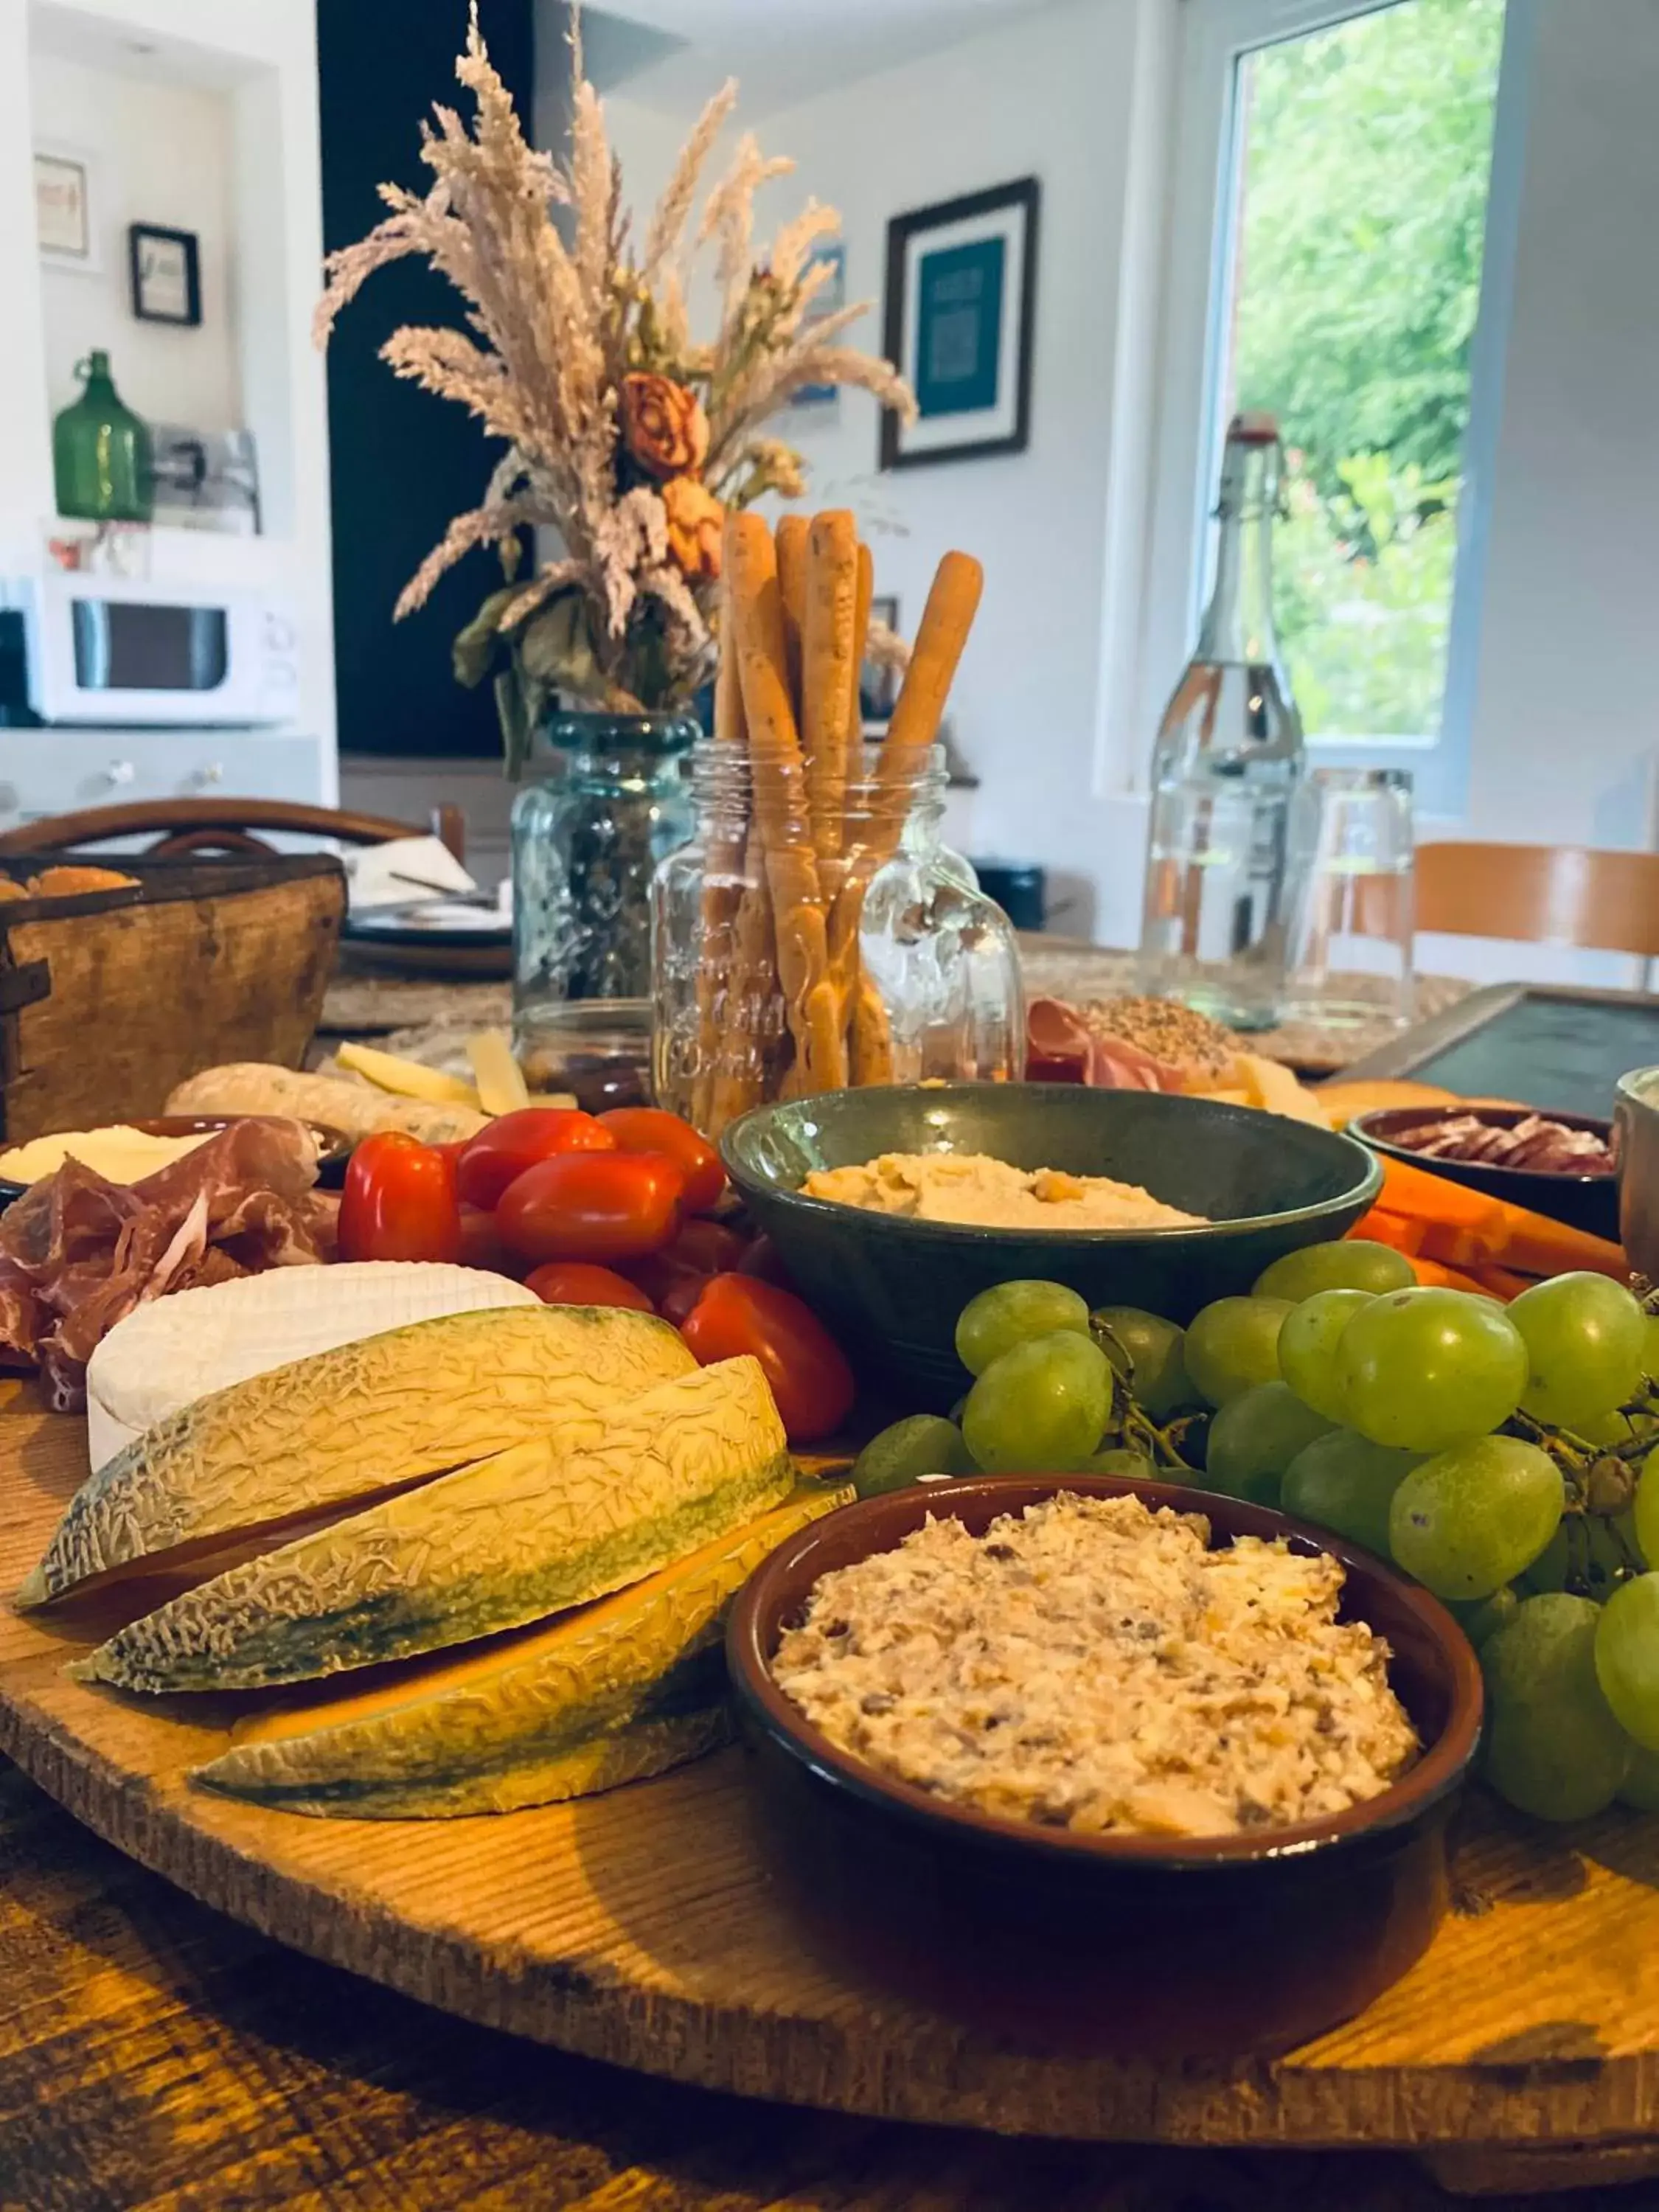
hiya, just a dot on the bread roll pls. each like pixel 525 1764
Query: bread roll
pixel 357 1109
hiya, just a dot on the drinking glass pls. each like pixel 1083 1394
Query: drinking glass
pixel 1351 906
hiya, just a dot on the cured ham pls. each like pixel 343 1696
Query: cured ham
pixel 78 1253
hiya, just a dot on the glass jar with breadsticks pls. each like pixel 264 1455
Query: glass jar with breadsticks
pixel 816 931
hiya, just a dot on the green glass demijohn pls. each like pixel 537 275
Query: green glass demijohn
pixel 102 456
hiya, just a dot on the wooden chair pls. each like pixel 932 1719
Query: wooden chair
pixel 224 825
pixel 1542 895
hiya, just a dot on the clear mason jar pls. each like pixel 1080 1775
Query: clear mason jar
pixel 912 973
pixel 586 842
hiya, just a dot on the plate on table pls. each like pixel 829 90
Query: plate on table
pixel 432 937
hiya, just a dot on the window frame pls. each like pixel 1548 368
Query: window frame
pixel 1206 151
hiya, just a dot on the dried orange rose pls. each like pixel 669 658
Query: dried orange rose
pixel 663 424
pixel 695 518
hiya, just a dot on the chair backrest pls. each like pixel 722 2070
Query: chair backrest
pixel 225 825
pixel 1542 895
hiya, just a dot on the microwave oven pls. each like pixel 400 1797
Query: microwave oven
pixel 119 653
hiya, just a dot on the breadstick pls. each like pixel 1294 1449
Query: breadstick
pixel 949 615
pixel 866 586
pixel 873 1035
pixel 781 811
pixel 794 531
pixel 827 673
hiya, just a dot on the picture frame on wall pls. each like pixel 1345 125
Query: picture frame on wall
pixel 164 268
pixel 961 311
pixel 66 209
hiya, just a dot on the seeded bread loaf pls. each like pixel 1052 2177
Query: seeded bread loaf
pixel 356 1109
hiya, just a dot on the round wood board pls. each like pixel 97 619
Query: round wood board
pixel 642 1927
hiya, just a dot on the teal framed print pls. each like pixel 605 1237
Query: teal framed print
pixel 960 312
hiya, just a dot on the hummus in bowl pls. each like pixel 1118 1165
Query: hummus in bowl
pixel 975 1191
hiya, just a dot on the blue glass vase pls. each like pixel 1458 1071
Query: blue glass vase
pixel 586 842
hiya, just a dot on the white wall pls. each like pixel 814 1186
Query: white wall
pixel 1051 95
pixel 162 155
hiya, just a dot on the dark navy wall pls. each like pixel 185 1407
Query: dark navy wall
pixel 401 462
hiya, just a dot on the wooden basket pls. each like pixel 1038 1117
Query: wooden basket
pixel 109 1000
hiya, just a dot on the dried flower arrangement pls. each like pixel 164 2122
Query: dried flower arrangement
pixel 623 436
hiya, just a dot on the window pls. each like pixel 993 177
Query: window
pixel 1342 226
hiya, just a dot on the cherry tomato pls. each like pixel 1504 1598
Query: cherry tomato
pixel 806 1368
pixel 482 1245
pixel 398 1202
pixel 500 1154
pixel 575 1283
pixel 678 1301
pixel 592 1206
pixel 652 1129
pixel 707 1248
pixel 702 1249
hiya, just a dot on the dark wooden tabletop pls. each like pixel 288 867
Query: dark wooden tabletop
pixel 155 2056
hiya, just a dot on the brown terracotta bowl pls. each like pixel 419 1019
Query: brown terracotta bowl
pixel 333 1147
pixel 1211 1945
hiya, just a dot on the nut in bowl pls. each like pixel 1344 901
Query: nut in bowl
pixel 1249 1939
pixel 1247 1186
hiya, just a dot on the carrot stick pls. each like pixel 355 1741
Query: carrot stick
pixel 1540 1246
pixel 1431 1274
pixel 1393 1230
pixel 1503 1282
pixel 1422 1196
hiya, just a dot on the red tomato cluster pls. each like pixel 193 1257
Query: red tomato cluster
pixel 601 1209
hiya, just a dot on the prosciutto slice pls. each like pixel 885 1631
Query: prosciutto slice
pixel 78 1253
pixel 1062 1047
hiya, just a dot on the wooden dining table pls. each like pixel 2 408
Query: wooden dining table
pixel 155 2056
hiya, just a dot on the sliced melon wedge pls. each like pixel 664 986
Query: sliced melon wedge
pixel 616 1691
pixel 518 1536
pixel 350 1422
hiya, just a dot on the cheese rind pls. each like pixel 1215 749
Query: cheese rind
pixel 171 1352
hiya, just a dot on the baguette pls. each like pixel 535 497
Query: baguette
pixel 356 1109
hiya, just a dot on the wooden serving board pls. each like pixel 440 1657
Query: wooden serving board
pixel 642 1927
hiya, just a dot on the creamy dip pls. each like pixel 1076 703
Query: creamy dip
pixel 977 1191
pixel 1093 1665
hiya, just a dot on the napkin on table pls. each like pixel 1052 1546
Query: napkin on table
pixel 408 868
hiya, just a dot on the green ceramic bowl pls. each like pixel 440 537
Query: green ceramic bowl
pixel 892 1289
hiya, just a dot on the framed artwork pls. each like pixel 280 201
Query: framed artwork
pixel 961 308
pixel 164 268
pixel 878 685
pixel 65 208
pixel 829 298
